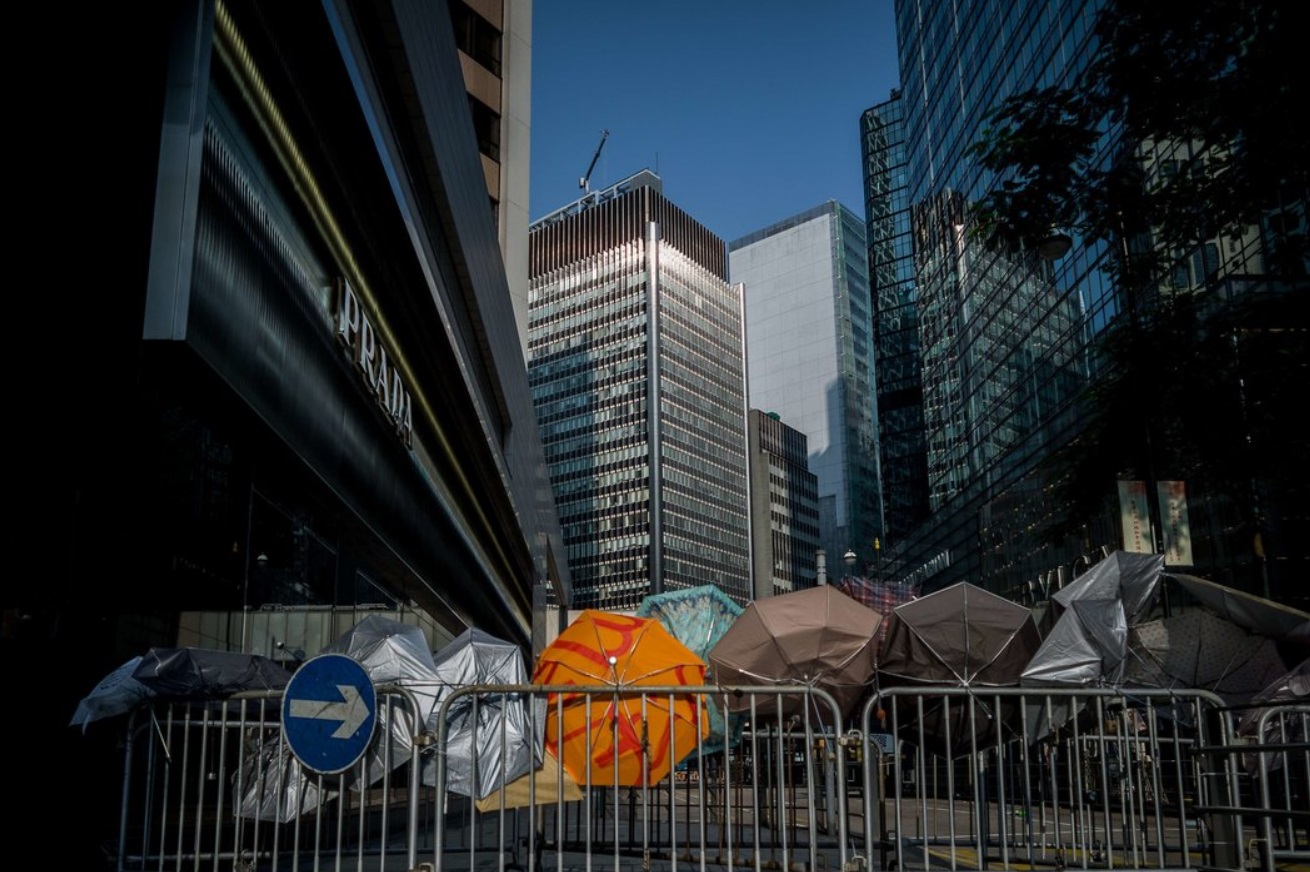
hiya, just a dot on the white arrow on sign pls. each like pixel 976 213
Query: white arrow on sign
pixel 352 713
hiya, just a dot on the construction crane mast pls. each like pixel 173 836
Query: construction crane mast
pixel 585 180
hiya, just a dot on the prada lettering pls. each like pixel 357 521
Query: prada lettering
pixel 360 340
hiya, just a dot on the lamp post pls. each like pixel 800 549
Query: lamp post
pixel 849 559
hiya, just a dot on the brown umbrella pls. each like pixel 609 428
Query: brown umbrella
pixel 818 637
pixel 960 636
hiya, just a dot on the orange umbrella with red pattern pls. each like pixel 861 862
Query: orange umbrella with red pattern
pixel 634 736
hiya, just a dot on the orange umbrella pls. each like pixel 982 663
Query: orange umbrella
pixel 641 738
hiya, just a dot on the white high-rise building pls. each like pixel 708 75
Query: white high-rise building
pixel 809 347
pixel 636 363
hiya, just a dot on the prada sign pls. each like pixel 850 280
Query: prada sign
pixel 357 336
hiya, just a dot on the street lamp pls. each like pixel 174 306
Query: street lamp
pixel 849 559
pixel 1055 244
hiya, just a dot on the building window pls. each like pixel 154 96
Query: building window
pixel 486 124
pixel 476 37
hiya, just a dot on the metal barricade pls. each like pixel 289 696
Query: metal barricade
pixel 768 794
pixel 933 777
pixel 1096 779
pixel 212 785
pixel 1271 765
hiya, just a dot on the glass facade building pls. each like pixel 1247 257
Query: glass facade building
pixel 904 458
pixel 1005 343
pixel 298 395
pixel 636 363
pixel 999 342
pixel 809 340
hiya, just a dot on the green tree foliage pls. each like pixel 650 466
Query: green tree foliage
pixel 1189 388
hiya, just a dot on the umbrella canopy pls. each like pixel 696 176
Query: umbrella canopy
pixel 275 787
pixel 1291 688
pixel 391 653
pixel 1131 578
pixel 205 673
pixel 177 674
pixel 1202 650
pixel 548 785
pixel 1254 613
pixel 698 617
pixel 115 694
pixel 609 736
pixel 1087 638
pixel 960 636
pixel 695 616
pixel 818 637
pixel 502 732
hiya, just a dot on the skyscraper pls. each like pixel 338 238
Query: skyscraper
pixel 904 452
pixel 1006 341
pixel 809 342
pixel 636 363
pixel 990 349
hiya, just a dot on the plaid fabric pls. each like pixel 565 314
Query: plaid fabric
pixel 881 596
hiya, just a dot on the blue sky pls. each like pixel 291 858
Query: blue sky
pixel 748 109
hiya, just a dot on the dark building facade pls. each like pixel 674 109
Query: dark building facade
pixel 1006 342
pixel 904 455
pixel 784 507
pixel 293 380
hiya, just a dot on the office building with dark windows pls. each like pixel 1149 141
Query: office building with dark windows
pixel 994 350
pixel 987 350
pixel 809 343
pixel 901 435
pixel 636 365
pixel 784 507
pixel 293 391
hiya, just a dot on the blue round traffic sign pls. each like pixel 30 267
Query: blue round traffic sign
pixel 329 713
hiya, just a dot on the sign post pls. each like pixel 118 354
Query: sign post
pixel 329 713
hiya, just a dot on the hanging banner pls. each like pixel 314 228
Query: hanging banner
pixel 1135 514
pixel 1177 532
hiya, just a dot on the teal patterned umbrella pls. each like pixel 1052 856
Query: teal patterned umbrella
pixel 698 617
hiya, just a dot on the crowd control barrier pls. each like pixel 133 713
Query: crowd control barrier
pixel 765 779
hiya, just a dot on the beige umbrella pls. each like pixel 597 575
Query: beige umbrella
pixel 818 637
pixel 553 784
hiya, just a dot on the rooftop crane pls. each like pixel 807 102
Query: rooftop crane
pixel 583 182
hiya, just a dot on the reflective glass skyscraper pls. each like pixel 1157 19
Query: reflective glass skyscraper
pixel 904 458
pixel 1006 343
pixel 636 362
pixel 809 344
pixel 989 349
